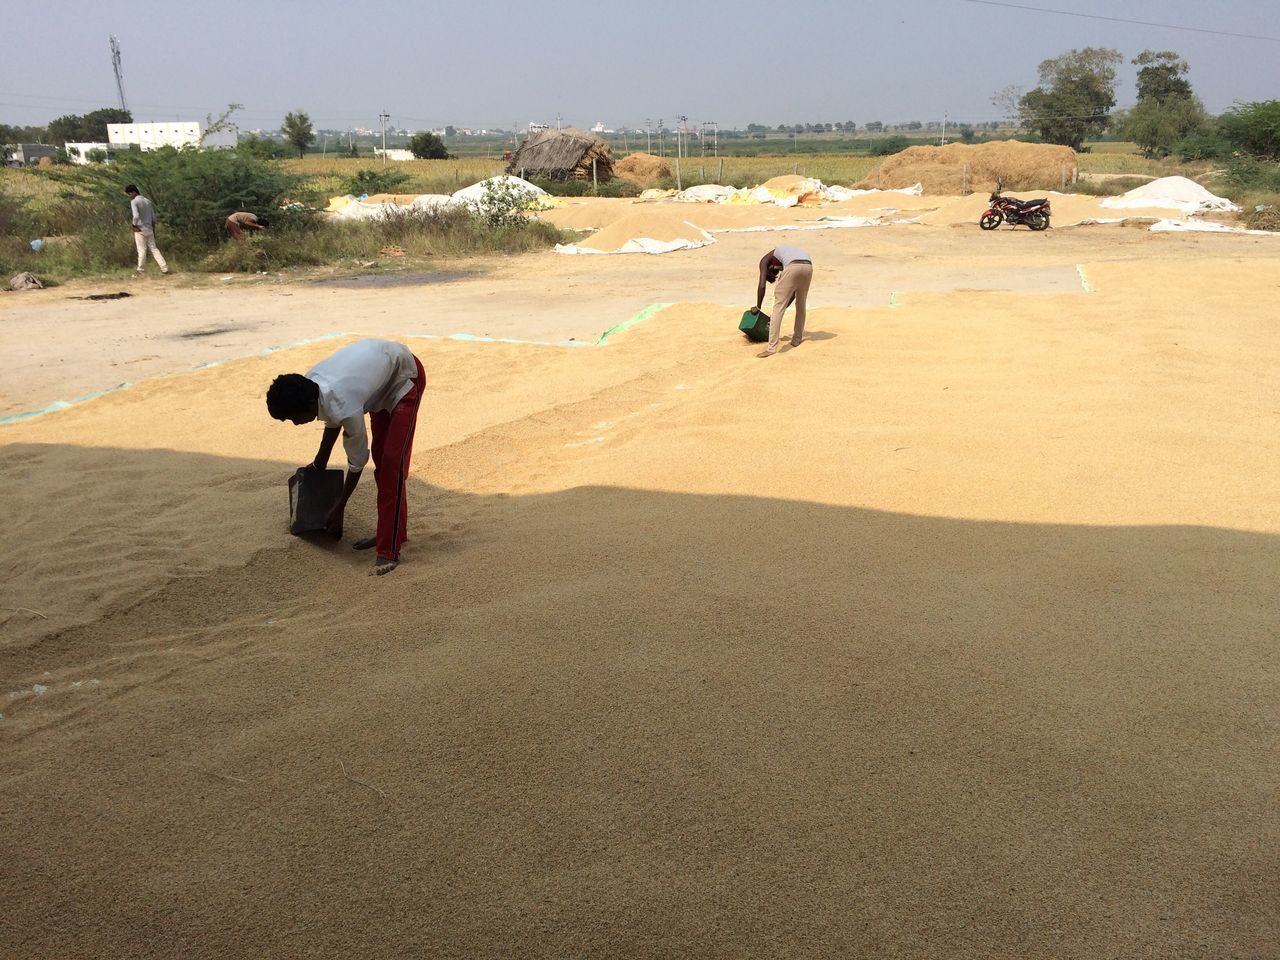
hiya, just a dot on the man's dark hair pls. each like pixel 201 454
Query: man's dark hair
pixel 291 393
pixel 264 222
pixel 131 189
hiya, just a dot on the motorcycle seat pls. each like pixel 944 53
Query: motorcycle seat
pixel 1031 203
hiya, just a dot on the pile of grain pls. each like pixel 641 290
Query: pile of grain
pixel 663 224
pixel 1023 166
pixel 642 168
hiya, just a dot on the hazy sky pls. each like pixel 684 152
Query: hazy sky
pixel 498 64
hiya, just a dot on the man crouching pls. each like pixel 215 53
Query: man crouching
pixel 380 378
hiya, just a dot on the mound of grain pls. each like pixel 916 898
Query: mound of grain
pixel 661 223
pixel 642 168
pixel 1023 166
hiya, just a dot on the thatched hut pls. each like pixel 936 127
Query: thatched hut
pixel 562 155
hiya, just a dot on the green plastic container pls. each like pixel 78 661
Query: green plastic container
pixel 755 326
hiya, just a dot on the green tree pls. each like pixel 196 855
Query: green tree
pixel 298 131
pixel 91 127
pixel 427 146
pixel 1156 127
pixel 1254 128
pixel 1074 99
pixel 1167 111
pixel 1163 76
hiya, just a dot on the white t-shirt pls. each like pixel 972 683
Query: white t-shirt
pixel 788 255
pixel 361 378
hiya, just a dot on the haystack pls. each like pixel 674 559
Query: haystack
pixel 643 169
pixel 1022 166
pixel 562 155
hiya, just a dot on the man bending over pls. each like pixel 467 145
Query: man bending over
pixel 384 380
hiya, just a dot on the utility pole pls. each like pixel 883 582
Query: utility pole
pixel 115 65
pixel 944 129
pixel 648 135
pixel 558 118
pixel 682 126
pixel 383 117
pixel 662 139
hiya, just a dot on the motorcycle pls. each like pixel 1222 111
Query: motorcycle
pixel 1034 213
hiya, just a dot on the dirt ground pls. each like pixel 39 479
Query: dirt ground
pixel 949 633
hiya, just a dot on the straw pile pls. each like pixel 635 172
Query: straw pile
pixel 1023 166
pixel 643 169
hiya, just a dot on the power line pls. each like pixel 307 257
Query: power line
pixel 1141 23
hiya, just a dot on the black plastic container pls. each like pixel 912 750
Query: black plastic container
pixel 312 494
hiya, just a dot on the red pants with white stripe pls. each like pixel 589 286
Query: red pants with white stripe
pixel 390 451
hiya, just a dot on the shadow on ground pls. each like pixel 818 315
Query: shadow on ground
pixel 616 722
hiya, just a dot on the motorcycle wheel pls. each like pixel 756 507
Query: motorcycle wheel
pixel 990 221
pixel 1038 221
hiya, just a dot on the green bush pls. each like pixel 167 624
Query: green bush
pixel 1254 128
pixel 1253 174
pixel 1201 146
pixel 882 148
pixel 373 180
pixel 617 187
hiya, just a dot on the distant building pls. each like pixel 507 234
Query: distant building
pixel 175 133
pixel 601 128
pixel 26 154
pixel 537 127
pixel 393 154
pixel 79 152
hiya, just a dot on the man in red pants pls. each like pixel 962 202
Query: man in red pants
pixel 384 380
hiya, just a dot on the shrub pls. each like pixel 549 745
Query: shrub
pixel 374 180
pixel 1201 146
pixel 1254 128
pixel 882 148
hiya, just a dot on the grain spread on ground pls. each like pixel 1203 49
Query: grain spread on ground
pixel 953 625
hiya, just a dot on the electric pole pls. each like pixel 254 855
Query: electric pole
pixel 648 135
pixel 944 129
pixel 384 117
pixel 115 65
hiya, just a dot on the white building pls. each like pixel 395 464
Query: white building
pixel 393 154
pixel 170 133
pixel 79 152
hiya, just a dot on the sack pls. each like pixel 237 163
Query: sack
pixel 312 494
pixel 755 326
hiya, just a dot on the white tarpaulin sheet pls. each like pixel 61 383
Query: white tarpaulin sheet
pixel 641 245
pixel 1174 193
pixel 1205 226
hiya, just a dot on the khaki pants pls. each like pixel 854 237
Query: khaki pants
pixel 144 240
pixel 793 286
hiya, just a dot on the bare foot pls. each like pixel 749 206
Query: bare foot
pixel 766 353
pixel 796 343
pixel 365 544
pixel 382 566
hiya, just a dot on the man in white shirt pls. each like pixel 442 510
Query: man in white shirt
pixel 143 217
pixel 792 268
pixel 380 378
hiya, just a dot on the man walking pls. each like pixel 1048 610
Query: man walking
pixel 238 223
pixel 144 229
pixel 792 268
pixel 380 378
